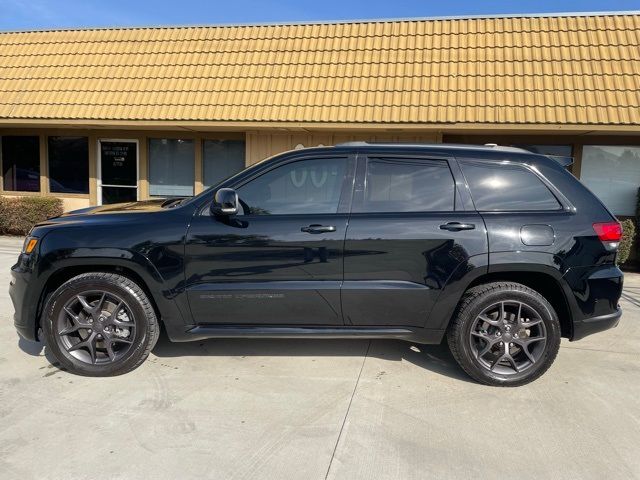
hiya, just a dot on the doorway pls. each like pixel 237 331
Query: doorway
pixel 117 171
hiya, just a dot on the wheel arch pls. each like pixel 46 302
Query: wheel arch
pixel 545 283
pixel 66 272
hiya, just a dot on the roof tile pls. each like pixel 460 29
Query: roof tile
pixel 580 70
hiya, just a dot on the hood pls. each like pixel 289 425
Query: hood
pixel 131 207
pixel 103 214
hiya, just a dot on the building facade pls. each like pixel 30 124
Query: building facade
pixel 108 115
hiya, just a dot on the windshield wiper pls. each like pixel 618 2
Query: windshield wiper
pixel 171 202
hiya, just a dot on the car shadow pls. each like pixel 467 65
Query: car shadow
pixel 435 358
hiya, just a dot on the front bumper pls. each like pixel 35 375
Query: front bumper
pixel 590 325
pixel 25 307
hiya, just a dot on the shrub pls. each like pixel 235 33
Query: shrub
pixel 19 214
pixel 628 234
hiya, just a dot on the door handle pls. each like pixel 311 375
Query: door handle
pixel 315 228
pixel 457 226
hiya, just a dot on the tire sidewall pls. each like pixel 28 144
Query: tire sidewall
pixel 549 318
pixel 76 286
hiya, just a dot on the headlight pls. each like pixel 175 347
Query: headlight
pixel 29 245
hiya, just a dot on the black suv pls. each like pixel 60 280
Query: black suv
pixel 500 250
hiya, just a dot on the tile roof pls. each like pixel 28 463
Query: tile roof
pixel 582 70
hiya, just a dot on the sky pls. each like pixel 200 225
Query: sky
pixel 55 14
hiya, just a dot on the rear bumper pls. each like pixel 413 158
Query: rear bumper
pixel 594 299
pixel 587 326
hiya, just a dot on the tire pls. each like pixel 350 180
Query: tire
pixel 100 324
pixel 493 326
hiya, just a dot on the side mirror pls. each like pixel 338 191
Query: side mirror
pixel 225 202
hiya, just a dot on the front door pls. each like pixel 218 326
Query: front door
pixel 407 236
pixel 279 261
pixel 118 167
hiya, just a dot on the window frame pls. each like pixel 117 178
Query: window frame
pixel 346 193
pixel 565 205
pixel 460 202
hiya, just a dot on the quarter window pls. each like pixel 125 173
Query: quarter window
pixel 408 186
pixel 21 163
pixel 307 186
pixel 507 188
pixel 68 164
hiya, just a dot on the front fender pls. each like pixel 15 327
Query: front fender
pixel 159 268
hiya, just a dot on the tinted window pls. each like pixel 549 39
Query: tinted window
pixel 408 186
pixel 118 163
pixel 21 163
pixel 307 186
pixel 222 158
pixel 171 167
pixel 68 164
pixel 507 188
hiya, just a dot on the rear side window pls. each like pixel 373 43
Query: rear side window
pixel 394 185
pixel 507 188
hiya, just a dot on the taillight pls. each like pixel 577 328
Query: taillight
pixel 609 233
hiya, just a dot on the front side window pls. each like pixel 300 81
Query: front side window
pixel 68 164
pixel 222 158
pixel 304 187
pixel 171 167
pixel 613 174
pixel 507 188
pixel 408 186
pixel 21 163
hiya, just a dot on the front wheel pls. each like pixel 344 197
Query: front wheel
pixel 504 334
pixel 100 324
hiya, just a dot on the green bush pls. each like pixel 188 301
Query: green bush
pixel 628 234
pixel 19 214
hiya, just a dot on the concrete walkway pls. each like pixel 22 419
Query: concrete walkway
pixel 269 409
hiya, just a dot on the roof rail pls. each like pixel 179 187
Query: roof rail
pixel 356 143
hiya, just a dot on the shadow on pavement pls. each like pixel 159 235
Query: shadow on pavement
pixel 435 358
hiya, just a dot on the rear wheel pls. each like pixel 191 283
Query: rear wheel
pixel 504 334
pixel 100 324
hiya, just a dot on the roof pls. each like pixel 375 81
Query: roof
pixel 572 69
pixel 489 147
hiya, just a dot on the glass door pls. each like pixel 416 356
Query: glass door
pixel 118 171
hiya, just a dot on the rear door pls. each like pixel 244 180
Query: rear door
pixel 410 229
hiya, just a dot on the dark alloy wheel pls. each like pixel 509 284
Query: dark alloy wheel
pixel 504 334
pixel 96 327
pixel 100 324
pixel 508 337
